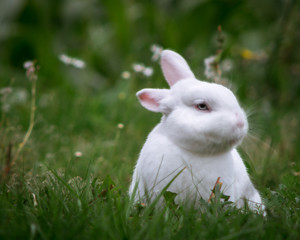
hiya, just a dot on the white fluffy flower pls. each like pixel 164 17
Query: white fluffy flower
pixel 72 61
pixel 148 71
pixel 141 68
pixel 156 50
pixel 78 154
pixel 125 75
pixel 28 64
pixel 209 63
pixel 226 65
pixel 138 67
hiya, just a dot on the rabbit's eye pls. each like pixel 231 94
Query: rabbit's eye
pixel 202 107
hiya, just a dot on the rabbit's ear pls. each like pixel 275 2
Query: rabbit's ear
pixel 174 67
pixel 151 99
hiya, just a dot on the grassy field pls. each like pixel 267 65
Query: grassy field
pixel 70 178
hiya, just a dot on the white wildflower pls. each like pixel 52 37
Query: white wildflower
pixel 6 90
pixel 120 125
pixel 78 154
pixel 148 71
pixel 208 62
pixel 226 65
pixel 31 70
pixel 78 63
pixel 138 67
pixel 28 64
pixel 20 95
pixel 141 68
pixel 210 71
pixel 65 59
pixel 156 50
pixel 72 61
pixel 125 75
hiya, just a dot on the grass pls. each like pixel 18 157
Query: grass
pixel 56 206
pixel 71 177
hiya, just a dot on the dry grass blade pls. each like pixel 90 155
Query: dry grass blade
pixel 212 195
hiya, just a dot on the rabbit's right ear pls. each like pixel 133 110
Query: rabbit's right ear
pixel 174 67
pixel 152 99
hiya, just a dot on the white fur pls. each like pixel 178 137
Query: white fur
pixel 200 142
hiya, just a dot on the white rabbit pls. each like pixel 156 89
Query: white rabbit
pixel 202 123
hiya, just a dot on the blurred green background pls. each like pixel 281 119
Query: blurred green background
pixel 80 109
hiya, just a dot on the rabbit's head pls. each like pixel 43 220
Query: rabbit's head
pixel 198 116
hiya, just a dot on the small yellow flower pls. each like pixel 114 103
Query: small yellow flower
pixel 122 95
pixel 248 54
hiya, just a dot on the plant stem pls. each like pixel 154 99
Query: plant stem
pixel 31 123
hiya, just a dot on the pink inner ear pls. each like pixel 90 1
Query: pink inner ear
pixel 152 99
pixel 147 99
pixel 171 75
pixel 174 67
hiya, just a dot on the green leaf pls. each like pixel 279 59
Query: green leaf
pixel 170 198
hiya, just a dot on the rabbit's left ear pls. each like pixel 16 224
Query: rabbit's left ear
pixel 152 99
pixel 174 67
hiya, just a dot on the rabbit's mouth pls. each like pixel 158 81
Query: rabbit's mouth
pixel 237 139
pixel 234 142
pixel 217 144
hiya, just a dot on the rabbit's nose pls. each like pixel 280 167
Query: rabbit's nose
pixel 239 121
